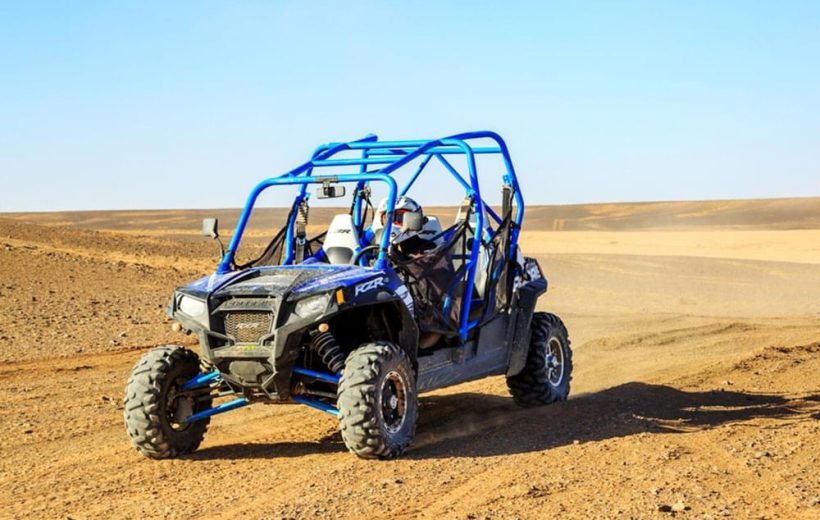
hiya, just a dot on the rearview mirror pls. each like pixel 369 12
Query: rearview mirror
pixel 210 227
pixel 328 191
pixel 412 222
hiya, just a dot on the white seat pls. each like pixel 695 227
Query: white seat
pixel 431 230
pixel 342 240
pixel 481 274
pixel 482 271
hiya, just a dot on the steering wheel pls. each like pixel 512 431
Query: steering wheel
pixel 360 253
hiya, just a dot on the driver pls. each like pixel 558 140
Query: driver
pixel 407 242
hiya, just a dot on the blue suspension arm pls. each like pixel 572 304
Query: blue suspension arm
pixel 319 405
pixel 200 381
pixel 328 378
pixel 222 408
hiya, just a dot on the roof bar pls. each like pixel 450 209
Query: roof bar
pixel 443 150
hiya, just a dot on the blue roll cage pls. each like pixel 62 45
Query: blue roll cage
pixel 388 157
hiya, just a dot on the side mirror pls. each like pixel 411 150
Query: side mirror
pixel 210 227
pixel 412 222
pixel 328 191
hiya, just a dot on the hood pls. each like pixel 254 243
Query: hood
pixel 298 280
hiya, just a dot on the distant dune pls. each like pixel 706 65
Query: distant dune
pixel 791 213
pixel 779 214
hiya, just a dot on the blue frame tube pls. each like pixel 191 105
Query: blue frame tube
pixel 439 150
pixel 222 408
pixel 393 155
pixel 329 149
pixel 358 145
pixel 322 152
pixel 505 154
pixel 381 260
pixel 321 376
pixel 332 410
pixel 353 161
pixel 415 176
pixel 455 174
pixel 467 297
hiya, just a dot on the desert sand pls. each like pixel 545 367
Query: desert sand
pixel 696 336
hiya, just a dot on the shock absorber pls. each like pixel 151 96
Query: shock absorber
pixel 324 344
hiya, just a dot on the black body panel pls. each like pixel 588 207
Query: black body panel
pixel 254 337
pixel 475 359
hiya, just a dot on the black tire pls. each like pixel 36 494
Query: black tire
pixel 152 404
pixel 541 382
pixel 377 401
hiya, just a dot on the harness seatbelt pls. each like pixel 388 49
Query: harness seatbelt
pixel 363 195
pixel 466 213
pixel 301 232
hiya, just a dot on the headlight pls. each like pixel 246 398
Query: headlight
pixel 196 309
pixel 312 305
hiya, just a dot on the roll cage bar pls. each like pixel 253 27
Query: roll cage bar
pixel 386 157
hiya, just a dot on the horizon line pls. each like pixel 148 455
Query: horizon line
pixel 570 204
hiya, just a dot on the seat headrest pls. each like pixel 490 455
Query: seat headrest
pixel 431 229
pixel 342 239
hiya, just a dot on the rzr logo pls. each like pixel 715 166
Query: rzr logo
pixel 369 285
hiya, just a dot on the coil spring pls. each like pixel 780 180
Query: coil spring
pixel 324 344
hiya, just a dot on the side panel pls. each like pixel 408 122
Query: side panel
pixel 502 343
pixel 474 360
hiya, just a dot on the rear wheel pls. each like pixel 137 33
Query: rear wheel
pixel 377 401
pixel 547 374
pixel 156 411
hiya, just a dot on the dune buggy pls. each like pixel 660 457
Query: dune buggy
pixel 346 321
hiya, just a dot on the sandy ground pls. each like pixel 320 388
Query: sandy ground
pixel 696 392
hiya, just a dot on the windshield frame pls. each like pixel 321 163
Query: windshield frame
pixel 354 178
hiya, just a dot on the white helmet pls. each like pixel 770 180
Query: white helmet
pixel 403 205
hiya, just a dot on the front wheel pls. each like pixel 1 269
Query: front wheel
pixel 156 411
pixel 377 401
pixel 548 371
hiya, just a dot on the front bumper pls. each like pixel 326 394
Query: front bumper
pixel 253 342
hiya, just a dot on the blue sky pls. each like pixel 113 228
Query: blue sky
pixel 107 105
